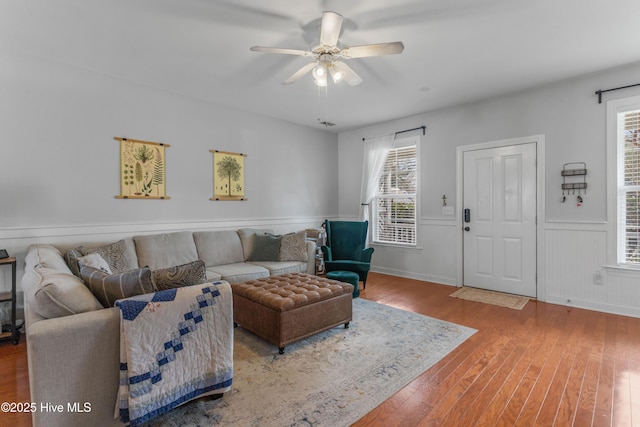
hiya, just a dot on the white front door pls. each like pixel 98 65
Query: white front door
pixel 499 243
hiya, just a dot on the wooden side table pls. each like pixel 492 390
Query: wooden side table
pixel 319 236
pixel 14 334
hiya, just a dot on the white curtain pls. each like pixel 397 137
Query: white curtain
pixel 375 154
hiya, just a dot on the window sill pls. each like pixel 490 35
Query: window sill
pixel 397 247
pixel 623 269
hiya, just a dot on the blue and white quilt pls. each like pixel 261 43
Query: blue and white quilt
pixel 175 345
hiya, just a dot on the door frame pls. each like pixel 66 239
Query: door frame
pixel 539 140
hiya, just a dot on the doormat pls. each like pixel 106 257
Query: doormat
pixel 516 302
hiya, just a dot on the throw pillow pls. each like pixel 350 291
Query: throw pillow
pixel 95 261
pixel 61 294
pixel 71 257
pixel 294 247
pixel 193 273
pixel 108 288
pixel 265 248
pixel 115 254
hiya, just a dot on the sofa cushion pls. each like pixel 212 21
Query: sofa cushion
pixel 212 276
pixel 189 274
pixel 246 238
pixel 239 272
pixel 294 247
pixel 108 288
pixel 165 250
pixel 44 255
pixel 265 248
pixel 282 267
pixel 218 247
pixel 116 254
pixel 60 293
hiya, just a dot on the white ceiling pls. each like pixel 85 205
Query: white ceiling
pixel 456 51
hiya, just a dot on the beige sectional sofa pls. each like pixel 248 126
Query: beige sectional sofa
pixel 73 341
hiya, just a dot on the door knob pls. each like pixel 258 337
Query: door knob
pixel 467 229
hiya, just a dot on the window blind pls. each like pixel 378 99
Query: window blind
pixel 629 189
pixel 396 198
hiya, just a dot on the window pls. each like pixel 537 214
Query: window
pixel 629 186
pixel 394 207
pixel 624 149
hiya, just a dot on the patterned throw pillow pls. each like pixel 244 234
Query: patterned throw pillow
pixel 266 248
pixel 95 261
pixel 294 247
pixel 115 254
pixel 193 273
pixel 108 288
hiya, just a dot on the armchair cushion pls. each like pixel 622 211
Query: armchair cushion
pixel 346 239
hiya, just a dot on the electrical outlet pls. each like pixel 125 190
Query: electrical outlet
pixel 597 278
pixel 448 210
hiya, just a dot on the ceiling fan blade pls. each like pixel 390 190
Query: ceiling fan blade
pixel 301 72
pixel 330 28
pixel 281 50
pixel 372 50
pixel 348 75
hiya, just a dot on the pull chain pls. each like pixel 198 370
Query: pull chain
pixel 326 104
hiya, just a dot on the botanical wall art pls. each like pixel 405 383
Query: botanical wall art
pixel 228 175
pixel 142 169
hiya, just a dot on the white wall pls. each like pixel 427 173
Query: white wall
pixel 59 163
pixel 574 126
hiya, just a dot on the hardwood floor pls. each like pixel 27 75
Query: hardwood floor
pixel 14 381
pixel 544 365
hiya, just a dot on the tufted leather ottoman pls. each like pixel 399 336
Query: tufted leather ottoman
pixel 289 307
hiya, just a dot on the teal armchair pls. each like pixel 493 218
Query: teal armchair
pixel 345 249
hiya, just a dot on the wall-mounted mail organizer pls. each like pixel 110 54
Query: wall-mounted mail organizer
pixel 574 180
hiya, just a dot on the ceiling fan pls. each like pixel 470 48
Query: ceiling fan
pixel 327 55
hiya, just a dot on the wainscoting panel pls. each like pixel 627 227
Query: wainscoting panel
pixel 432 261
pixel 576 273
pixel 17 240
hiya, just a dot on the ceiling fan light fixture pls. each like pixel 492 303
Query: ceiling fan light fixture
pixel 336 75
pixel 320 72
pixel 327 54
pixel 322 82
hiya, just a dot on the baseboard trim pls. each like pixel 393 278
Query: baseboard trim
pixel 595 306
pixel 416 276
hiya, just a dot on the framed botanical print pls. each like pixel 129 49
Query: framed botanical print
pixel 142 169
pixel 228 175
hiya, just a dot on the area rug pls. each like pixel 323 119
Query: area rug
pixel 516 302
pixel 331 379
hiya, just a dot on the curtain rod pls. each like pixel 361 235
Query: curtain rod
pixel 600 91
pixel 423 127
